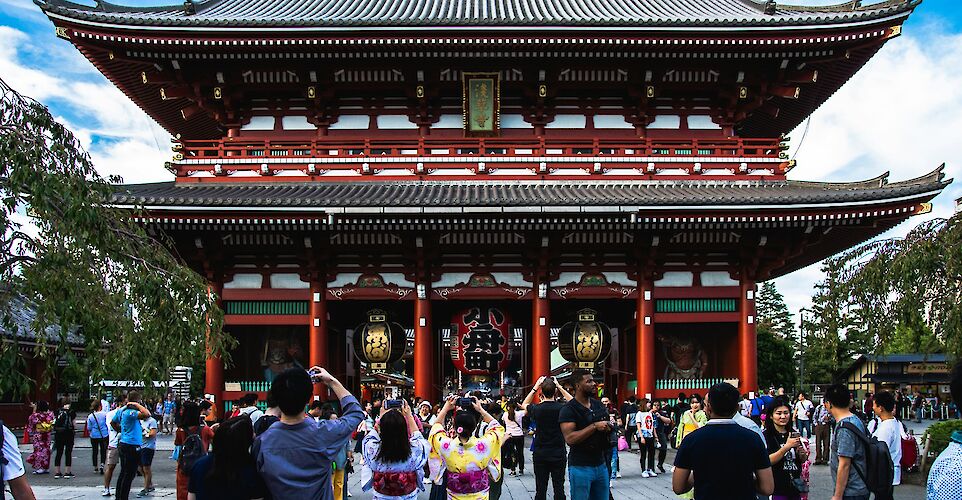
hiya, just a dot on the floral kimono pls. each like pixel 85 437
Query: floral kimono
pixel 39 427
pixel 398 480
pixel 470 466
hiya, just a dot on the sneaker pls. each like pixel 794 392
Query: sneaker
pixel 651 473
pixel 645 474
pixel 105 493
pixel 349 494
pixel 618 475
pixel 151 489
pixel 141 493
pixel 58 476
pixel 69 475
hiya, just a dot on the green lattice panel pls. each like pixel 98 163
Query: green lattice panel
pixel 266 307
pixel 695 305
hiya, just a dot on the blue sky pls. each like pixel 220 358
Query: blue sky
pixel 902 113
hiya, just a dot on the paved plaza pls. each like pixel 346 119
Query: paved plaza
pixel 631 486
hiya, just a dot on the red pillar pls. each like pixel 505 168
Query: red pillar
pixel 645 341
pixel 540 332
pixel 747 345
pixel 214 373
pixel 317 332
pixel 424 380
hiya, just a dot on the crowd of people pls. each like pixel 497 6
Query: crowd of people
pixel 728 445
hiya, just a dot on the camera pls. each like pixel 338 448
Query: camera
pixel 466 403
pixel 393 403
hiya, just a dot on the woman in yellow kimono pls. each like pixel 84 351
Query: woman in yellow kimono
pixel 470 462
pixel 691 420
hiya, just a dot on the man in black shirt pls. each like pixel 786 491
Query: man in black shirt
pixel 726 460
pixel 585 426
pixel 549 444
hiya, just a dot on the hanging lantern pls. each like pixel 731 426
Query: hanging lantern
pixel 378 342
pixel 585 342
pixel 482 342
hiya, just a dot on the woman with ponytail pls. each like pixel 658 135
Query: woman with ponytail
pixel 471 463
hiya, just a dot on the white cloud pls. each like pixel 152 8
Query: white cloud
pixel 119 136
pixel 901 113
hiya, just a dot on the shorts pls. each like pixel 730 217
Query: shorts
pixel 113 456
pixel 146 456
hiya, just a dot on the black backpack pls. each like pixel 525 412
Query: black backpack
pixel 879 470
pixel 62 422
pixel 191 451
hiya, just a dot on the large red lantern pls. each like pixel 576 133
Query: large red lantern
pixel 482 342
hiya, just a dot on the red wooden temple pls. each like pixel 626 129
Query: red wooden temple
pixel 542 157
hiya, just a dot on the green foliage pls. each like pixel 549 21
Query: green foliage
pixel 88 266
pixel 826 350
pixel 776 366
pixel 772 312
pixel 940 433
pixel 775 331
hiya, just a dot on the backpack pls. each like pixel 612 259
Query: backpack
pixel 191 451
pixel 879 470
pixel 62 422
pixel 910 450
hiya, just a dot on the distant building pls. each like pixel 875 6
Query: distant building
pixel 15 409
pixel 927 373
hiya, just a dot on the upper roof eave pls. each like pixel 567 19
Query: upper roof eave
pixel 220 15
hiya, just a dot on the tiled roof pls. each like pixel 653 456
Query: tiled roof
pixel 455 13
pixel 494 193
pixel 22 315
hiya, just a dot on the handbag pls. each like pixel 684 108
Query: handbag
pixel 800 485
pixel 622 443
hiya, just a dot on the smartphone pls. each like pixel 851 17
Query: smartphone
pixel 466 403
pixel 793 435
pixel 393 403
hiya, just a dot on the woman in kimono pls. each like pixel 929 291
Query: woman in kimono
pixel 39 427
pixel 394 452
pixel 470 463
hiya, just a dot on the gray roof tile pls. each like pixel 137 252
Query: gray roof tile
pixel 495 193
pixel 401 13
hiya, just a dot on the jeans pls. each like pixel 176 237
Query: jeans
pixel 556 471
pixel 613 466
pixel 804 428
pixel 589 482
pixel 98 445
pixel 129 462
pixel 918 415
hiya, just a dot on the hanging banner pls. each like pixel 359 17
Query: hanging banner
pixel 481 344
pixel 481 100
pixel 585 342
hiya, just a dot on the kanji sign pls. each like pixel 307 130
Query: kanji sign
pixel 482 341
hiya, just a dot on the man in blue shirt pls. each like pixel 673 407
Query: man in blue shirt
pixel 723 459
pixel 847 456
pixel 294 455
pixel 127 422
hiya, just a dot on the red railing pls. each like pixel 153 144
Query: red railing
pixel 268 149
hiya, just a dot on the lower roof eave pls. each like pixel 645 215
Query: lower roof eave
pixel 548 209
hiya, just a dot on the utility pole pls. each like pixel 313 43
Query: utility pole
pixel 801 347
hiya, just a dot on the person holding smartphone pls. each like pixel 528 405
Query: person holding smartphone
pixel 471 463
pixel 786 450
